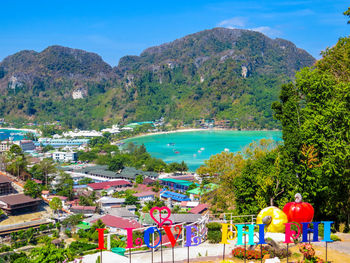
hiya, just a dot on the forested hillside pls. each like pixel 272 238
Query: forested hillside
pixel 220 73
pixel 314 159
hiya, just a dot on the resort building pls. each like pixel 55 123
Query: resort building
pixel 175 184
pixel 5 186
pixel 12 204
pixel 101 172
pixel 56 143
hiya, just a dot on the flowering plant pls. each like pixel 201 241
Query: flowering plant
pixel 309 254
pixel 239 252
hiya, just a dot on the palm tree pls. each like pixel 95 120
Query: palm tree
pixel 47 166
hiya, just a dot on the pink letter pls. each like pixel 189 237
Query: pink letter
pixel 291 233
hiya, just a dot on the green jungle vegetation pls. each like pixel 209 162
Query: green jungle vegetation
pixel 314 159
pixel 221 73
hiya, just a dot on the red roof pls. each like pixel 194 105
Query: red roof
pixel 147 193
pixel 142 187
pixel 80 207
pixel 106 185
pixel 118 222
pixel 148 181
pixel 199 209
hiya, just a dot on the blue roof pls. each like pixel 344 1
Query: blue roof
pixel 175 196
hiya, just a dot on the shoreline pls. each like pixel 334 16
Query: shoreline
pixel 189 130
pixel 20 130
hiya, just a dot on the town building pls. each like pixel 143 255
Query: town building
pixel 196 193
pixel 85 210
pixel 175 184
pixel 13 204
pixel 118 224
pixel 64 156
pixel 145 196
pixel 108 184
pixel 172 196
pixel 5 145
pixel 5 186
pixel 108 202
pixel 26 145
pixel 199 209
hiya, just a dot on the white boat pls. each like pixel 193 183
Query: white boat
pixel 226 149
pixel 199 151
pixel 202 149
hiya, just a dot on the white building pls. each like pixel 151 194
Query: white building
pixel 5 146
pixel 64 156
pixel 113 130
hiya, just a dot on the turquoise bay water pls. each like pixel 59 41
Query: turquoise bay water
pixel 15 134
pixel 196 146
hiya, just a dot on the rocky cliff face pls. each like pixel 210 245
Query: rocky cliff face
pixel 219 73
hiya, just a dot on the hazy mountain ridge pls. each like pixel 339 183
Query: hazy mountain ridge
pixel 219 73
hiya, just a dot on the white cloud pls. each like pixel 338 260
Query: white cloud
pixel 242 23
pixel 233 22
pixel 266 30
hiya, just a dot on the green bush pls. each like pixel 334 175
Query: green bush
pixel 214 232
pixel 77 247
pixel 335 238
pixel 68 233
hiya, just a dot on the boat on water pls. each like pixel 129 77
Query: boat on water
pixel 202 149
pixel 199 151
pixel 177 152
pixel 226 149
pixel 171 144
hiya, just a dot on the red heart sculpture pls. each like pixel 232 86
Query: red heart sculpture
pixel 162 220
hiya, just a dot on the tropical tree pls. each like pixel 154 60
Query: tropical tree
pixel 47 166
pixel 315 117
pixel 32 189
pixel 55 204
pixel 65 185
pixel 139 179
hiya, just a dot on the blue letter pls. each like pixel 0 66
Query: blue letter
pixel 307 230
pixel 148 232
pixel 250 232
pixel 327 231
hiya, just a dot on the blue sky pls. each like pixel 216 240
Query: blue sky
pixel 117 28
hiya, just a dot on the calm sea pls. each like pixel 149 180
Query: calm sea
pixel 196 146
pixel 15 134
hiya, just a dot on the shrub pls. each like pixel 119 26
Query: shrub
pixel 239 252
pixel 77 247
pixel 335 238
pixel 43 227
pixel 214 232
pixel 68 233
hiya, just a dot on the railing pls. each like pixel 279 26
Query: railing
pixel 230 218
